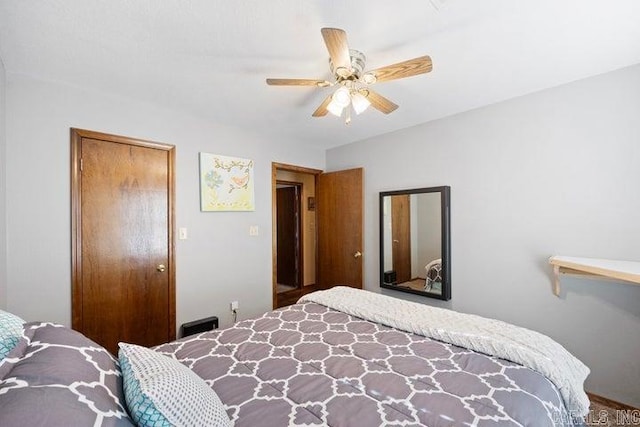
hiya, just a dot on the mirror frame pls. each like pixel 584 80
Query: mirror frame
pixel 445 198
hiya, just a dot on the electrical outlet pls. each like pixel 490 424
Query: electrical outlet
pixel 234 305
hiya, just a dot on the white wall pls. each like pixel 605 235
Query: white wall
pixel 3 206
pixel 388 237
pixel 219 262
pixel 555 172
pixel 430 237
pixel 415 223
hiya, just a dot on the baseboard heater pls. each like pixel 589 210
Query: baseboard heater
pixel 198 326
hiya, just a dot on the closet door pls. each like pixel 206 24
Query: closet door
pixel 122 239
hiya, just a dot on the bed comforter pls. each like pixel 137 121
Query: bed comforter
pixel 309 364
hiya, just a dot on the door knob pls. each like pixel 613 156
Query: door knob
pixel 161 268
pixel 358 254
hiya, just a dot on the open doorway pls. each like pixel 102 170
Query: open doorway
pixel 331 218
pixel 289 238
pixel 295 239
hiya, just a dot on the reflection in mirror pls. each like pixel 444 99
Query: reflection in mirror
pixel 415 241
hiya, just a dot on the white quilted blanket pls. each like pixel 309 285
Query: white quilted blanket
pixel 528 348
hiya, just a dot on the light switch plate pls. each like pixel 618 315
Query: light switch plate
pixel 182 233
pixel 253 230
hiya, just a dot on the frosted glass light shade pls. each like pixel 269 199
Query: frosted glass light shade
pixel 359 102
pixel 342 97
pixel 334 108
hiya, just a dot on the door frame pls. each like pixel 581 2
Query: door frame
pixel 76 220
pixel 275 167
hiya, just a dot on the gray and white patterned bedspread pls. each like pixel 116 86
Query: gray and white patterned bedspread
pixel 308 364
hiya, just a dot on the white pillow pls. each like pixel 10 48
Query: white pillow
pixel 10 332
pixel 161 391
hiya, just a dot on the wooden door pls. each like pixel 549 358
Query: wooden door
pixel 288 235
pixel 122 239
pixel 339 209
pixel 401 236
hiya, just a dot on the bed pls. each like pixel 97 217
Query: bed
pixel 341 357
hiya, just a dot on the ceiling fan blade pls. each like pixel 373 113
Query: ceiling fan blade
pixel 322 111
pixel 298 82
pixel 401 70
pixel 378 101
pixel 336 41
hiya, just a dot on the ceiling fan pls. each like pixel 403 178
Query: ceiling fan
pixel 347 66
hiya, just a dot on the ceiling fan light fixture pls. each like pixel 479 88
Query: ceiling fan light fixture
pixel 359 102
pixel 341 97
pixel 352 82
pixel 334 108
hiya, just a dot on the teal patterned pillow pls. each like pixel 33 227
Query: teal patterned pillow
pixel 10 331
pixel 161 391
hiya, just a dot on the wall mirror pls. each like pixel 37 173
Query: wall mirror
pixel 415 242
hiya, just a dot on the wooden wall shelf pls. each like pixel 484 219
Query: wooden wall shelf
pixel 626 271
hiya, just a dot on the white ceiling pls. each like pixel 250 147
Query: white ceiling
pixel 211 57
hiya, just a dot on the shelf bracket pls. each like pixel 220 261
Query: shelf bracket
pixel 556 280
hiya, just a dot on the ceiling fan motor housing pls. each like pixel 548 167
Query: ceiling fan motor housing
pixel 358 61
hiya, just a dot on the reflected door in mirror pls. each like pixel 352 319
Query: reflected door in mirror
pixel 415 242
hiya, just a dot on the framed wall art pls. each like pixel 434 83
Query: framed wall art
pixel 226 183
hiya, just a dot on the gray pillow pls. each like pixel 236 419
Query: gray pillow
pixel 56 376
